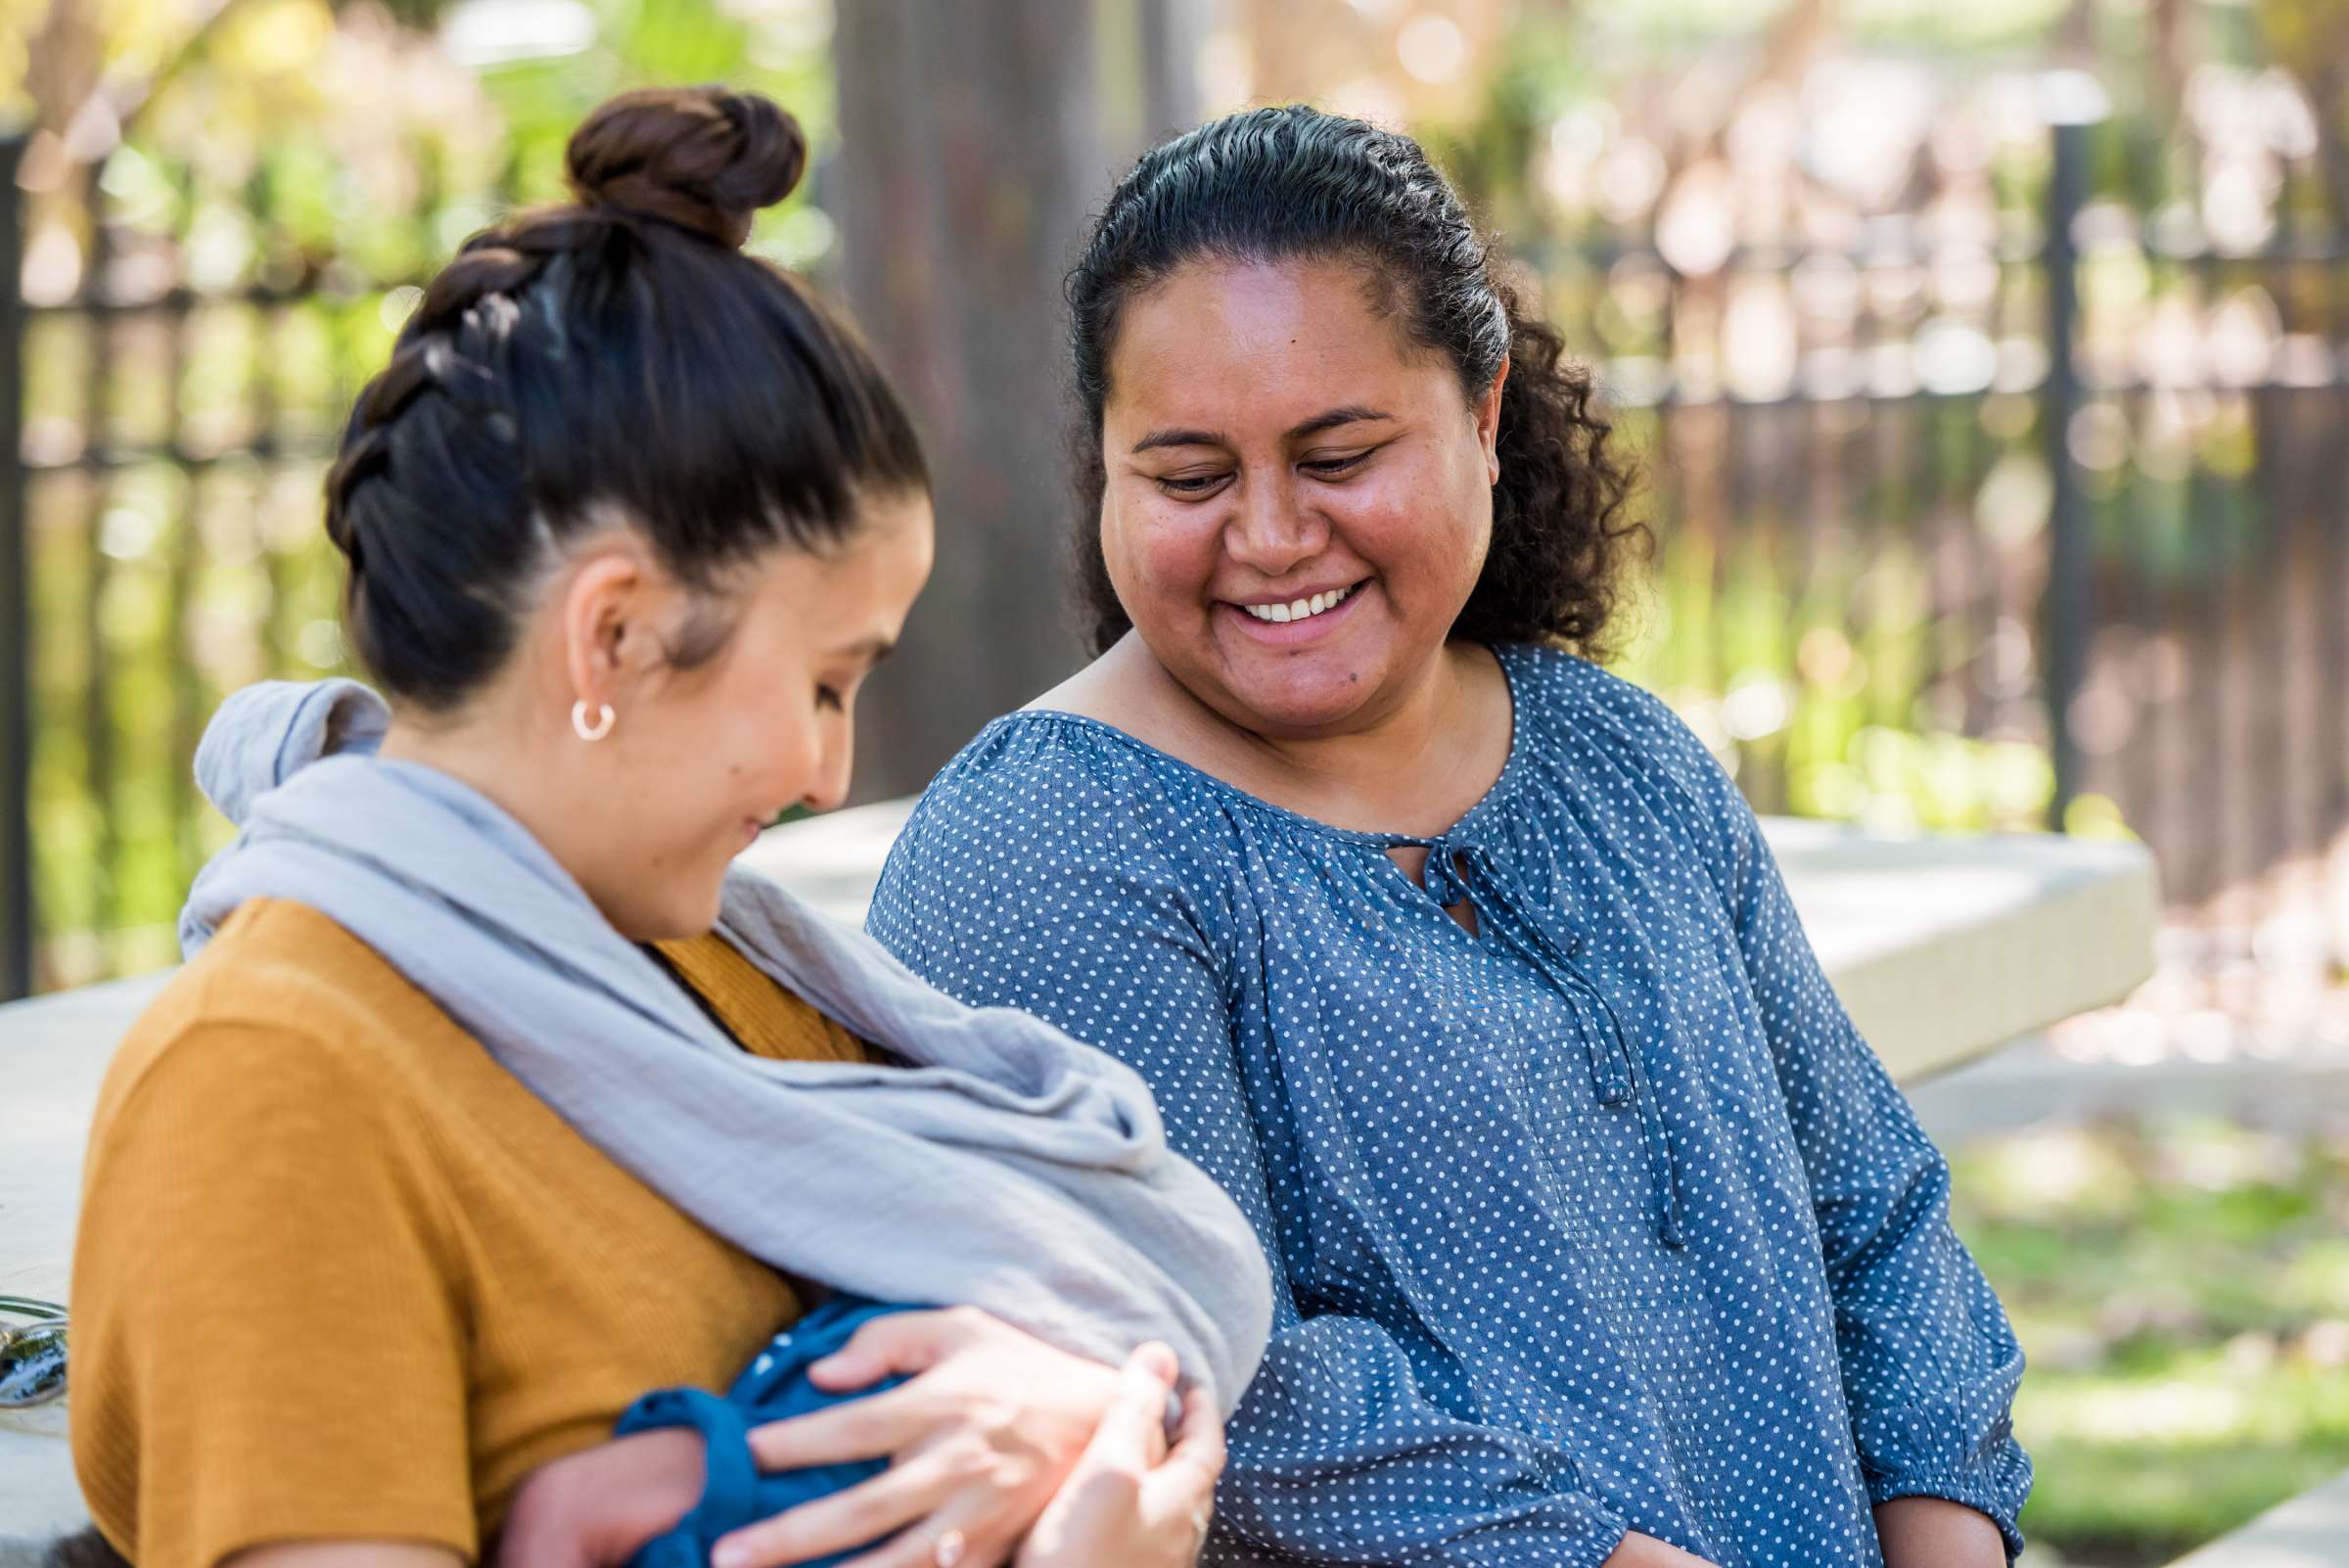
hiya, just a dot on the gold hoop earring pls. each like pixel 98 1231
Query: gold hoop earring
pixel 597 730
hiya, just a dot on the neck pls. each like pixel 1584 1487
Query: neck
pixel 1414 764
pixel 491 747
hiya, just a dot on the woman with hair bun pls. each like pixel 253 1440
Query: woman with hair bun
pixel 1597 1233
pixel 492 1098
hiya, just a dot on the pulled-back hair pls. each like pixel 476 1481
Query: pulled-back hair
pixel 615 359
pixel 1295 183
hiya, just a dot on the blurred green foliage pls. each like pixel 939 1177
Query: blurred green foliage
pixel 2181 1290
pixel 287 174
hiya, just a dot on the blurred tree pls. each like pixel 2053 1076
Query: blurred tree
pixel 958 221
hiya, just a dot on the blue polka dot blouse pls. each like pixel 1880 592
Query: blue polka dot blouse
pixel 1600 1219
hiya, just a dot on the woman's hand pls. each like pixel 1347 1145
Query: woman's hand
pixel 1131 1501
pixel 594 1508
pixel 990 1424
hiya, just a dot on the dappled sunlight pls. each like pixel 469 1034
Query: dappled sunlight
pixel 2053 1172
pixel 2171 1411
pixel 2181 1286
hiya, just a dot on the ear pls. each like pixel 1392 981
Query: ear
pixel 606 612
pixel 1487 414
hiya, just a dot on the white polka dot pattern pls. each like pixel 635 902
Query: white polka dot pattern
pixel 1601 1219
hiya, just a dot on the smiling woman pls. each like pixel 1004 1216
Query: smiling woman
pixel 1433 289
pixel 1599 1235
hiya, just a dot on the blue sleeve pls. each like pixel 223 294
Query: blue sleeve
pixel 1337 1455
pixel 1930 1365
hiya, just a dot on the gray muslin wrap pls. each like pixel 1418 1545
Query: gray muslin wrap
pixel 1004 1165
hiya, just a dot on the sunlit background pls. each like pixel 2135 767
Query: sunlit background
pixel 1986 360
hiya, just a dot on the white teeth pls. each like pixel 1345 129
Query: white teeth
pixel 1298 608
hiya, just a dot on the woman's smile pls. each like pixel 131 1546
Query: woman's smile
pixel 1289 622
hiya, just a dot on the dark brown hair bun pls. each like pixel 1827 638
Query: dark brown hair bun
pixel 615 357
pixel 701 158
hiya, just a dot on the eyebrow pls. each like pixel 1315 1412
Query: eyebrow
pixel 874 649
pixel 1350 414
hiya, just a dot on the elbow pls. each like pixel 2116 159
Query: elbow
pixel 1860 1230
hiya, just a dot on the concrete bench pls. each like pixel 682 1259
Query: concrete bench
pixel 1942 948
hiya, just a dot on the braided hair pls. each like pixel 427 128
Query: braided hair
pixel 1295 183
pixel 618 358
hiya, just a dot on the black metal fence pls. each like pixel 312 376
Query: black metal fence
pixel 15 621
pixel 2036 514
pixel 158 528
pixel 1948 538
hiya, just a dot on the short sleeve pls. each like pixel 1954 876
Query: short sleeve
pixel 267 1336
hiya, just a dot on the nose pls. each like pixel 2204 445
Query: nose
pixel 835 762
pixel 1270 532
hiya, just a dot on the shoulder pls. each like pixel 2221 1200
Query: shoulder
pixel 1590 730
pixel 1045 786
pixel 1567 700
pixel 286 1024
pixel 764 1017
pixel 1055 828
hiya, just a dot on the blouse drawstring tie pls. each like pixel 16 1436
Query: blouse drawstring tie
pixel 1456 871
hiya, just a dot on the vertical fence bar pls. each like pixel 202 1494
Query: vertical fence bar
pixel 2065 612
pixel 99 766
pixel 16 598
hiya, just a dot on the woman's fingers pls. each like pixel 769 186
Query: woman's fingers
pixel 990 1422
pixel 899 1343
pixel 1199 1439
pixel 973 1543
pixel 1132 1430
pixel 875 1428
pixel 1186 1481
pixel 1124 1502
pixel 898 1496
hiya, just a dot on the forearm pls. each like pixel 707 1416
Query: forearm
pixel 595 1508
pixel 343 1554
pixel 1935 1533
pixel 1931 1369
pixel 1646 1551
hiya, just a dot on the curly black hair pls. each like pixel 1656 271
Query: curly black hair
pixel 1277 184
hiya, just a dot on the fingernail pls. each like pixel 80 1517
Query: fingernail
pixel 730 1555
pixel 1161 1360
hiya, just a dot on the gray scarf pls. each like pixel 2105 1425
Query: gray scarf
pixel 1004 1165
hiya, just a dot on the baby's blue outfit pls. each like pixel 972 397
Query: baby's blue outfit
pixel 772 1388
pixel 1601 1218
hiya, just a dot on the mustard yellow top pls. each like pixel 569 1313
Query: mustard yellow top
pixel 340 1276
